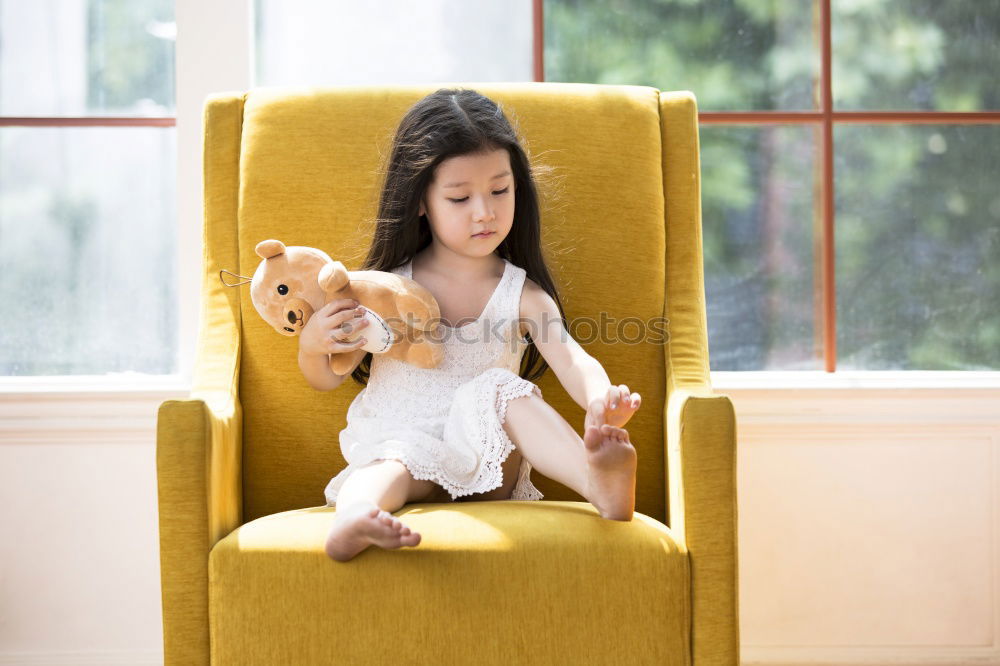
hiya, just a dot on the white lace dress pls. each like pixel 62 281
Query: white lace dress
pixel 446 423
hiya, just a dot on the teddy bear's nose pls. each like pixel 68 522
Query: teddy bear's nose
pixel 291 317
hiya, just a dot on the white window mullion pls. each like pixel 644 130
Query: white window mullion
pixel 214 54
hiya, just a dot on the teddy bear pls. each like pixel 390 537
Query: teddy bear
pixel 292 282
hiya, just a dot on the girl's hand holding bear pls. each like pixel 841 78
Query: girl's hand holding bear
pixel 328 330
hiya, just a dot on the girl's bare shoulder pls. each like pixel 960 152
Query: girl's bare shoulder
pixel 535 301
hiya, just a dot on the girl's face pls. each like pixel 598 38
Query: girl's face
pixel 468 195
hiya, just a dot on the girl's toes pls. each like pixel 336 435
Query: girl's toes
pixel 592 437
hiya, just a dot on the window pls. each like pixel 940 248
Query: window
pixel 850 151
pixel 391 42
pixel 87 188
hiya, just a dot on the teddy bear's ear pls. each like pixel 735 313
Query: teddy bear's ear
pixel 270 248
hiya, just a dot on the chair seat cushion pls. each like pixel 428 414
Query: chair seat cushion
pixel 511 581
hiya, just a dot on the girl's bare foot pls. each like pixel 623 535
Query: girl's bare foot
pixel 611 463
pixel 362 524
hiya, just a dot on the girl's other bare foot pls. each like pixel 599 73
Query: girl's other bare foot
pixel 362 524
pixel 611 463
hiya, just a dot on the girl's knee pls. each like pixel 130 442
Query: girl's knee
pixel 523 412
pixel 416 490
pixel 388 465
pixel 532 399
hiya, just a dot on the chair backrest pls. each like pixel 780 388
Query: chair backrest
pixel 301 165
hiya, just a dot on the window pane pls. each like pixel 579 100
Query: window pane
pixel 746 55
pixel 344 42
pixel 918 247
pixel 87 58
pixel 758 233
pixel 916 55
pixel 87 268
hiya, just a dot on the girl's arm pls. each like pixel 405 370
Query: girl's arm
pixel 316 345
pixel 582 375
pixel 316 369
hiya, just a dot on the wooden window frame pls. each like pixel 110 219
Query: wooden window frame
pixel 823 120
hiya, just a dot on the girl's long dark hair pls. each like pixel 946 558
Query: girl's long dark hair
pixel 444 124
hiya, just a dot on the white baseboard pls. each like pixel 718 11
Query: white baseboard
pixel 82 658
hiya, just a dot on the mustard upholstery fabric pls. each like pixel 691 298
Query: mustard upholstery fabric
pixel 243 462
pixel 508 583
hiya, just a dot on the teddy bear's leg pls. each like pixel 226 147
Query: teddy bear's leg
pixel 415 312
pixel 400 346
pixel 424 355
pixel 416 347
pixel 345 362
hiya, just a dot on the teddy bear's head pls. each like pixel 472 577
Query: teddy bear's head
pixel 285 287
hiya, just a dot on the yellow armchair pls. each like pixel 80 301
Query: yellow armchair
pixel 242 463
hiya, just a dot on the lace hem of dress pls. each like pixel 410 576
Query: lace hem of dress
pixel 499 446
pixel 494 451
pixel 524 489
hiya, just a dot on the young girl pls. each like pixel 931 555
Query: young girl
pixel 459 215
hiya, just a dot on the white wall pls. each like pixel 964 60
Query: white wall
pixel 868 526
pixel 79 549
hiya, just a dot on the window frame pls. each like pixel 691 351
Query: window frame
pixel 213 52
pixel 822 121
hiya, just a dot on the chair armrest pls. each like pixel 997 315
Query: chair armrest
pixel 199 478
pixel 199 441
pixel 701 500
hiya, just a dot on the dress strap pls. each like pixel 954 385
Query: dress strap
pixel 510 304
